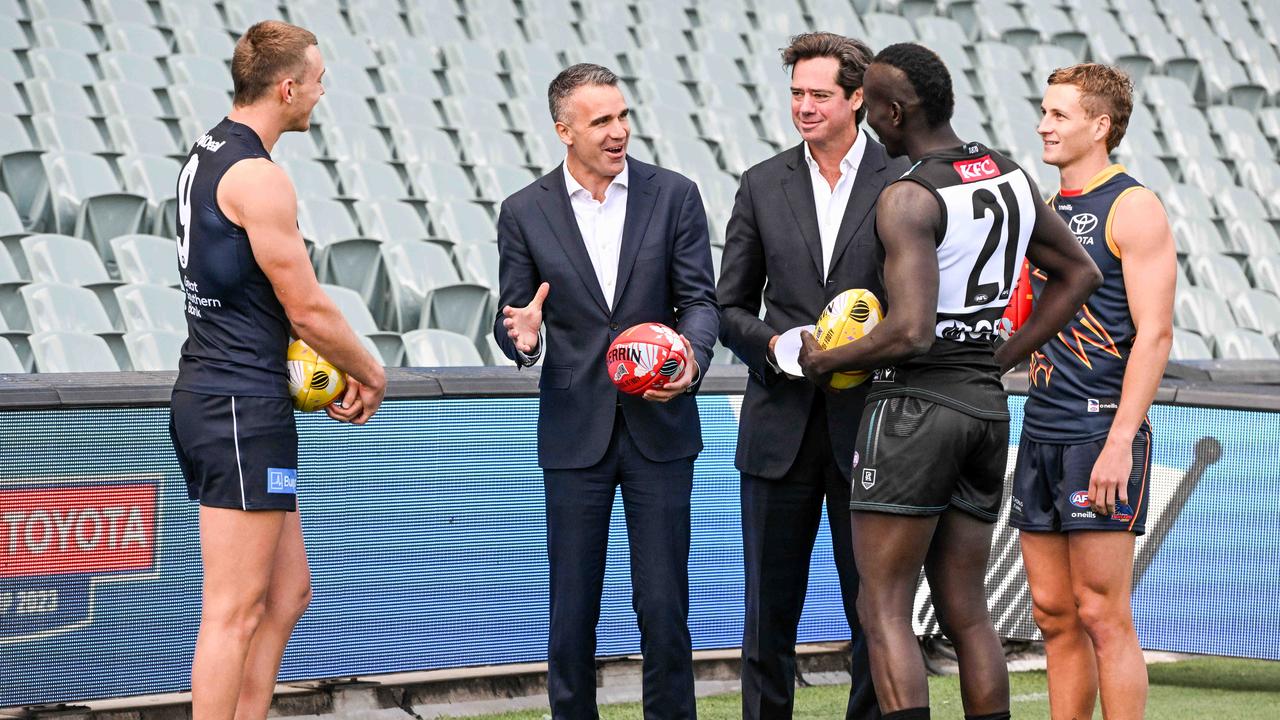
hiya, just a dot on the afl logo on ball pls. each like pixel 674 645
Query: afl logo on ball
pixel 670 368
pixel 319 380
pixel 1080 498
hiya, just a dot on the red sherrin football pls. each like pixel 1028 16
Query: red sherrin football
pixel 648 355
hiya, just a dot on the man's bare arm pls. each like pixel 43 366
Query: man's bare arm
pixel 907 221
pixel 258 196
pixel 1072 278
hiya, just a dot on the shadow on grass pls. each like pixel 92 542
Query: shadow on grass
pixel 1219 674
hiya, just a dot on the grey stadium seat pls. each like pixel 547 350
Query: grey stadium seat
pixel 426 291
pixel 1182 200
pixel 1202 311
pixel 198 71
pixel 59 352
pixel 152 307
pixel 154 349
pixel 440 181
pixel 54 307
pixel 340 253
pixel 118 97
pixel 137 11
pixel 1189 346
pixel 462 222
pixel 391 221
pixel 86 199
pixel 1242 344
pixel 152 177
pixel 133 68
pixel 421 143
pixel 9 361
pixel 1257 310
pixel 1264 270
pixel 54 95
pixel 1219 273
pixel 440 348
pixel 1262 175
pixel 390 349
pixel 73 133
pixel 136 37
pixel 58 31
pixel 62 63
pixel 146 259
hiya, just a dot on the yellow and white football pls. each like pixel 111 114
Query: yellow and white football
pixel 849 316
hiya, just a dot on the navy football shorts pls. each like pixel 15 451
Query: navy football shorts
pixel 916 457
pixel 1051 487
pixel 236 452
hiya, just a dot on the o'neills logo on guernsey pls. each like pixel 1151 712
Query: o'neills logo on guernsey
pixel 974 170
pixel 57 541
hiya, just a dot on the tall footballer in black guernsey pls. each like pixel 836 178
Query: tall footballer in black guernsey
pixel 249 284
pixel 929 460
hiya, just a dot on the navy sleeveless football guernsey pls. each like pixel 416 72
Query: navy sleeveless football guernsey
pixel 988 211
pixel 237 331
pixel 1076 377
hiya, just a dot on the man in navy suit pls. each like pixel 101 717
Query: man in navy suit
pixel 599 244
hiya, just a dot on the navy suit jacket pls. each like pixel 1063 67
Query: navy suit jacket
pixel 772 246
pixel 664 275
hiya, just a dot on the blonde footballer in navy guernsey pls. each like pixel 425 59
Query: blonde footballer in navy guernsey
pixel 1081 484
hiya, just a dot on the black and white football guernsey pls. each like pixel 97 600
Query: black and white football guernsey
pixel 988 211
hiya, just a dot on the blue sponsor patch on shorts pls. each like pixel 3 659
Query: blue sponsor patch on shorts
pixel 282 481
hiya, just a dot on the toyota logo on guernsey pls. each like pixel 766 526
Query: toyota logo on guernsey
pixel 58 541
pixel 974 170
pixel 1083 223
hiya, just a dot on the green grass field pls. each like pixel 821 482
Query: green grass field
pixel 1220 688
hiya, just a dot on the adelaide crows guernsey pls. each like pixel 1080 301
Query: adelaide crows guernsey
pixel 1076 377
pixel 988 210
pixel 237 331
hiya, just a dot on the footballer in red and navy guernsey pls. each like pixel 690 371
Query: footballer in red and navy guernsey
pixel 1081 486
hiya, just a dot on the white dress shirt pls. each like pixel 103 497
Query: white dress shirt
pixel 601 225
pixel 831 202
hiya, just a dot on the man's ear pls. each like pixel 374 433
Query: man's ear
pixel 1102 128
pixel 856 100
pixel 562 130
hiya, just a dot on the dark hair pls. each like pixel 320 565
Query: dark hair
pixel 1104 90
pixel 853 56
pixel 572 78
pixel 268 52
pixel 928 76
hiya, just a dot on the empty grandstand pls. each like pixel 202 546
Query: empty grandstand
pixel 436 110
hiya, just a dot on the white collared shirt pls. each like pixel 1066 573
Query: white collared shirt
pixel 601 225
pixel 831 202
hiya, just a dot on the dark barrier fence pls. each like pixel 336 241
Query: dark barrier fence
pixel 426 536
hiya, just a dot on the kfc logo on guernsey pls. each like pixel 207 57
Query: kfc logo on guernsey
pixel 975 170
pixel 57 542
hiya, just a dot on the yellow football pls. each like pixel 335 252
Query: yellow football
pixel 849 316
pixel 313 382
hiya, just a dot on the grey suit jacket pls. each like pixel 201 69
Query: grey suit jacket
pixel 773 252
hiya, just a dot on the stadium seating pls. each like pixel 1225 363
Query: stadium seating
pixel 435 112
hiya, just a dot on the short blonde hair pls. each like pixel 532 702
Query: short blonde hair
pixel 267 52
pixel 1104 90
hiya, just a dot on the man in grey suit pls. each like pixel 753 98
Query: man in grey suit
pixel 601 243
pixel 802 231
